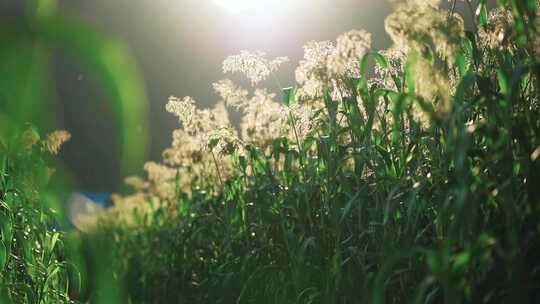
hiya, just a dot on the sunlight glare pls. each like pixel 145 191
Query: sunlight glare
pixel 243 6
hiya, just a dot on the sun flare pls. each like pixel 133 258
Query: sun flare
pixel 242 6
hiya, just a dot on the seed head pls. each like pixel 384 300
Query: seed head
pixel 499 33
pixel 416 24
pixel 350 48
pixel 158 173
pixel 54 141
pixel 254 65
pixel 136 182
pixel 233 95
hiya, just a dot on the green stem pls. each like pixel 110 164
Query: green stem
pixel 217 168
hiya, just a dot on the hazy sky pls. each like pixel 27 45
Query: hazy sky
pixel 179 45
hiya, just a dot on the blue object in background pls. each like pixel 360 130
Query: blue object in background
pixel 81 209
pixel 100 198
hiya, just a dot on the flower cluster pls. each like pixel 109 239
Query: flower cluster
pixel 137 183
pixel 499 32
pixel 233 95
pixel 311 73
pixel 130 210
pixel 432 86
pixel 161 179
pixel 263 119
pixel 201 147
pixel 325 64
pixel 384 77
pixel 350 48
pixel 303 119
pixel 159 173
pixel 202 133
pixel 184 109
pixel 416 24
pixel 223 141
pixel 54 141
pixel 254 65
pixel 28 139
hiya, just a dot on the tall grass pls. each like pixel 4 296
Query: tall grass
pixel 33 268
pixel 418 184
pixel 38 263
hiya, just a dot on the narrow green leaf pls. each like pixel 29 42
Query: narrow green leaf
pixel 289 96
pixel 380 60
pixel 461 260
pixel 7 228
pixel 503 82
pixel 465 84
pixel 460 60
pixel 54 239
pixel 481 15
pixel 409 75
pixel 3 256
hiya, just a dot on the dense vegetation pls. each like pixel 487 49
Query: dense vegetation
pixel 32 265
pixel 414 182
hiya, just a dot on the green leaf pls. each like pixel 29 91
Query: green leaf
pixel 461 260
pixel 54 205
pixel 243 162
pixel 460 60
pixel 409 75
pixel 289 96
pixel 7 228
pixel 26 248
pixel 503 82
pixel 54 239
pixel 364 62
pixel 380 60
pixel 52 270
pixel 465 84
pixel 481 14
pixel 3 255
pixel 472 47
pixel 432 262
pixel 3 163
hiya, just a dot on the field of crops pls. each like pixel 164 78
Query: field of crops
pixel 404 175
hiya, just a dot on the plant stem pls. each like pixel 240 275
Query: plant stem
pixel 217 168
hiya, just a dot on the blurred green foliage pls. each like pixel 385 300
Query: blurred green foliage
pixel 37 263
pixel 25 85
pixel 32 264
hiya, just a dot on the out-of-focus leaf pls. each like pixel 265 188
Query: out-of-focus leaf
pixel 503 82
pixel 481 14
pixel 289 96
pixel 7 228
pixel 464 85
pixel 461 260
pixel 380 60
pixel 364 64
pixel 3 255
pixel 409 75
pixel 460 60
